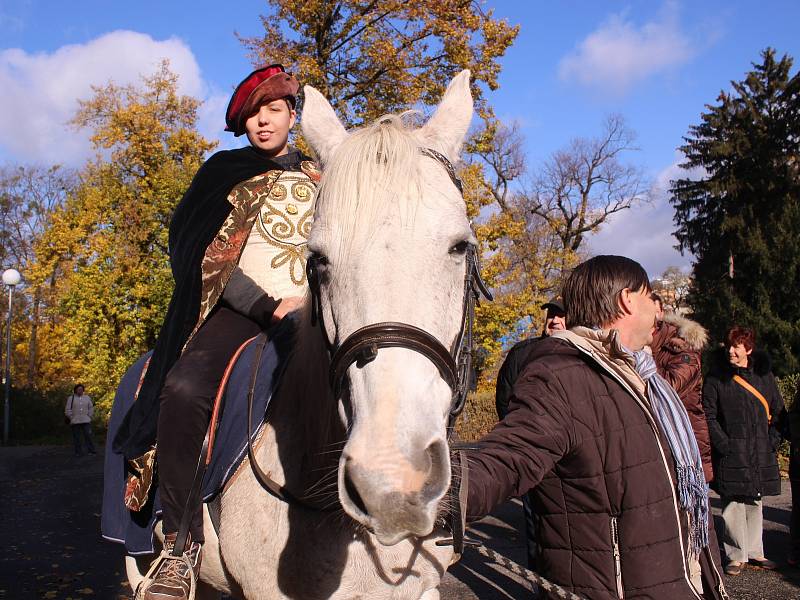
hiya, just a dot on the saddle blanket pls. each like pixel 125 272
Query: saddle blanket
pixel 135 529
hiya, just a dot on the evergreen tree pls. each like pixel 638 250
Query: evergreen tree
pixel 741 216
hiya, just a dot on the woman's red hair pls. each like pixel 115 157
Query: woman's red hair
pixel 740 335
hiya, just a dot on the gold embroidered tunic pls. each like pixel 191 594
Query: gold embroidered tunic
pixel 274 254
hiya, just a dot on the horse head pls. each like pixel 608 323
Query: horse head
pixel 390 243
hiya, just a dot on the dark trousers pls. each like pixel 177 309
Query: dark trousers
pixel 83 430
pixel 531 546
pixel 185 411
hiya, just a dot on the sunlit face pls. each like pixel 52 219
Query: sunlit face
pixel 555 321
pixel 644 317
pixel 268 128
pixel 739 355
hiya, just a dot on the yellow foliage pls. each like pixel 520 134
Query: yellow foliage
pixel 382 56
pixel 104 257
pixel 479 416
pixel 523 258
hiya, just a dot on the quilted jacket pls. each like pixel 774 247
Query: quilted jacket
pixel 579 435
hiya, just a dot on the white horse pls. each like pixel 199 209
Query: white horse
pixel 389 235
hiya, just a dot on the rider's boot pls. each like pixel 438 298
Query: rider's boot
pixel 176 576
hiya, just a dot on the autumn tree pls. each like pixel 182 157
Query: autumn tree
pixel 370 58
pixel 522 258
pixel 741 216
pixel 579 187
pixel 106 246
pixel 28 197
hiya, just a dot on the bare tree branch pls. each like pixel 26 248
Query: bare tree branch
pixel 580 187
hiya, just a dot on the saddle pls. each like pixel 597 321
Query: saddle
pixel 131 502
pixel 143 468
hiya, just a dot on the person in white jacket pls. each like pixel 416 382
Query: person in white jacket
pixel 80 410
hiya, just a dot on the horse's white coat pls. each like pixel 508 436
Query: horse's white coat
pixel 387 227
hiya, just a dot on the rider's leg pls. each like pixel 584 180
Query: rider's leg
pixel 186 404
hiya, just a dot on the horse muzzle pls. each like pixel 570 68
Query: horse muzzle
pixel 394 496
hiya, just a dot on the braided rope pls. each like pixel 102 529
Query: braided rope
pixel 551 588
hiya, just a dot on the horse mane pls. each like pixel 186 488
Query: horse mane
pixel 375 170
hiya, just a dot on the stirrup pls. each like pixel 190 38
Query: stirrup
pixel 149 576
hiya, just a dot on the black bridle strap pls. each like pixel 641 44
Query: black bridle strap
pixel 454 365
pixel 445 162
pixel 362 347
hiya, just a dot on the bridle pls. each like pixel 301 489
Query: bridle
pixel 361 347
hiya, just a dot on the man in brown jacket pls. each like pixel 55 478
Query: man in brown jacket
pixel 587 435
pixel 677 346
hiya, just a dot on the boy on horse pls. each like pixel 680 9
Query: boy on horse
pixel 237 242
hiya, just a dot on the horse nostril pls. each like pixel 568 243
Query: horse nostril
pixel 351 490
pixel 438 459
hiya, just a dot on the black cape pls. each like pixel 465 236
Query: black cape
pixel 197 219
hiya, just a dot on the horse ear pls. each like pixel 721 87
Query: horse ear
pixel 447 128
pixel 321 127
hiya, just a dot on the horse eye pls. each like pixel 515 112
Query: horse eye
pixel 460 247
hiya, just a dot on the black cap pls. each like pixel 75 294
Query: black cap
pixel 556 303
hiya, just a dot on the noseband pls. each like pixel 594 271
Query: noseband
pixel 361 347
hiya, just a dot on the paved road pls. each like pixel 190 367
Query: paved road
pixel 50 518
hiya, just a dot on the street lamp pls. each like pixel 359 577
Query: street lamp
pixel 11 277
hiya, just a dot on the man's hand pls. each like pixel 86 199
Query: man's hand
pixel 286 306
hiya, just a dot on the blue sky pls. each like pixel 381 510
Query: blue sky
pixel 573 63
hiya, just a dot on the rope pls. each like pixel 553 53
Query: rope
pixel 551 588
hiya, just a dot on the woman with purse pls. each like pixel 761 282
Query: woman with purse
pixel 79 411
pixel 742 405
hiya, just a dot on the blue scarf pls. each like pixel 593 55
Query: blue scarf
pixel 670 413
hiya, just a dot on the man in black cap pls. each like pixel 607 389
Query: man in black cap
pixel 235 275
pixel 555 320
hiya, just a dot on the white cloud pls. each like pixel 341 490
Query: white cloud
pixel 41 91
pixel 619 54
pixel 644 232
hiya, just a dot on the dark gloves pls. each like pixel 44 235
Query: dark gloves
pixel 261 312
pixel 243 295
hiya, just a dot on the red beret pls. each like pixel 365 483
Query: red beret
pixel 265 84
